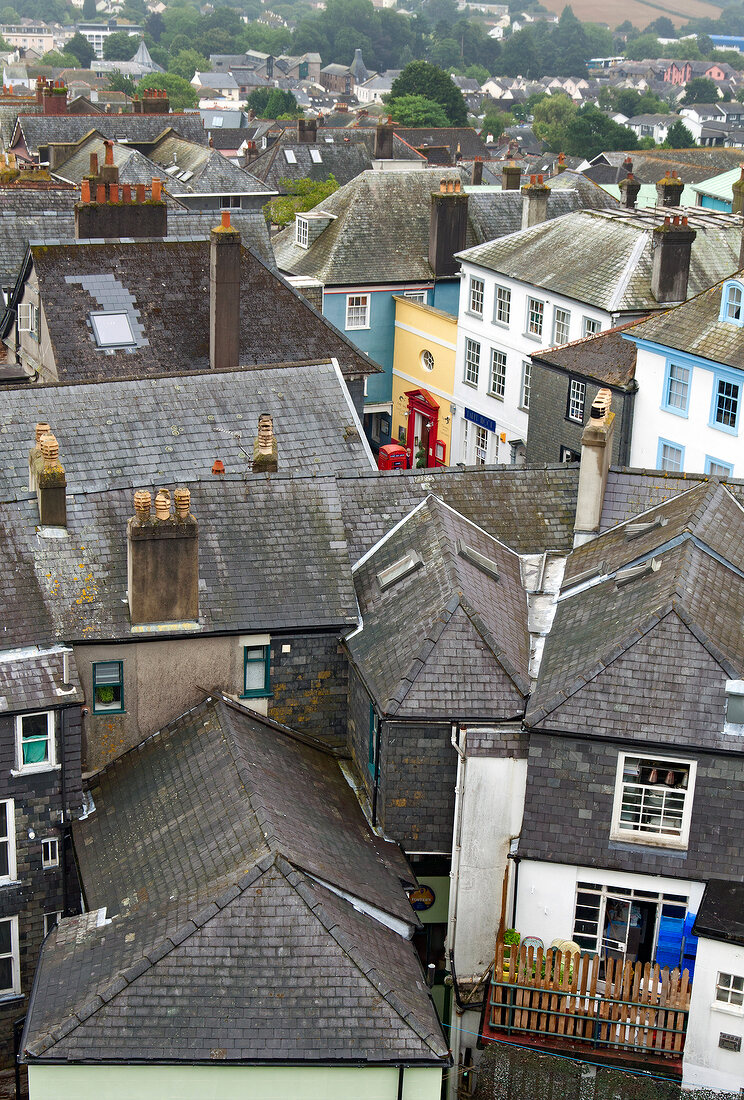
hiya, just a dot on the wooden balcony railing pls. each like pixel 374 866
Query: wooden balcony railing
pixel 633 1007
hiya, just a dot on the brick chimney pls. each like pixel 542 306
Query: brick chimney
pixel 737 194
pixel 628 165
pixel 596 457
pixel 561 165
pixel 629 189
pixel 448 226
pixel 54 98
pixel 265 451
pixel 511 177
pixel 110 211
pixel 51 484
pixel 384 140
pixel 669 190
pixel 35 460
pixel 224 295
pixel 154 101
pixel 109 173
pixel 476 177
pixel 163 559
pixel 535 196
pixel 672 251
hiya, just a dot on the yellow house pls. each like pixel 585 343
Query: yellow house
pixel 423 381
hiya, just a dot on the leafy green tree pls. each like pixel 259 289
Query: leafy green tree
pixel 180 92
pixel 120 46
pixel 477 72
pixel 599 40
pixel 187 62
pixel 272 102
pixel 445 53
pixel 117 82
pixel 416 110
pixel 700 90
pixel 9 15
pixel 441 11
pixel 494 123
pixel 661 27
pixel 81 48
pixel 647 45
pixel 551 120
pixel 679 137
pixel 56 60
pixel 579 131
pixel 89 9
pixel 301 195
pixel 571 46
pixel 423 79
pixel 155 25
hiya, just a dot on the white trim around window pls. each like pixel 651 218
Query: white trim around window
pixel 653 800
pixel 357 311
pixel 8 869
pixel 10 963
pixel 302 231
pixel 35 742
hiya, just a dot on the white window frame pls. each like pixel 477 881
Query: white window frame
pixel 497 376
pixel 525 385
pixel 502 306
pixel 535 318
pixel 49 853
pixel 471 373
pixel 590 326
pixel 10 839
pixel 43 765
pixel 465 440
pixel 357 307
pixel 289 156
pixel 477 296
pixel 28 318
pixel 302 232
pixel 415 296
pixel 14 954
pixel 733 309
pixel 315 156
pixel 576 400
pixel 647 839
pixel 561 325
pixel 731 985
pixel 482 444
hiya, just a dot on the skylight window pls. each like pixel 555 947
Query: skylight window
pixel 480 561
pixel 399 569
pixel 186 176
pixel 315 156
pixel 289 156
pixel 112 330
pixel 172 169
pixel 217 120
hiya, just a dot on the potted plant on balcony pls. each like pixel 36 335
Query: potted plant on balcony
pixel 511 940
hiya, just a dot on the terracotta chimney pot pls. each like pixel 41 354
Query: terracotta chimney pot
pixel 126 193
pixel 142 502
pixel 109 146
pixel 101 192
pixel 218 467
pixel 156 189
pixel 226 219
pixel 162 504
pixel 41 429
pixel 182 498
pixel 85 191
pixel 49 448
pixel 140 192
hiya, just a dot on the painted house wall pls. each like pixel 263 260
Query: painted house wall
pixel 705 1063
pixel 223 1082
pixel 419 328
pixel 690 430
pixel 509 413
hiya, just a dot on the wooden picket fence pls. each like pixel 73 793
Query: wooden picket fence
pixel 633 1007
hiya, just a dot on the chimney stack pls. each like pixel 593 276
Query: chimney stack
pixel 105 212
pixel 476 178
pixel 672 251
pixel 628 165
pixel 265 451
pixel 596 458
pixel 53 98
pixel 669 190
pixel 511 177
pixel 448 226
pixel 384 140
pixel 737 191
pixel 224 295
pixel 163 560
pixel 535 196
pixel 35 461
pixel 154 101
pixel 51 484
pixel 561 165
pixel 629 189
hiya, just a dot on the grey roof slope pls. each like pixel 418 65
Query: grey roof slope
pixel 459 139
pixel 630 492
pixel 212 173
pixel 272 554
pixel 45 215
pixel 164 287
pixel 721 912
pixel 392 209
pixel 131 163
pixel 222 909
pixel 530 509
pixel 343 162
pixel 279 793
pixel 37 130
pixel 35 681
pixel 592 196
pixel 605 357
pixel 403 623
pixel 123 434
pixel 694 327
pixel 691 165
pixel 604 258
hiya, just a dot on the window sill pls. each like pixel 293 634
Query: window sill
pixel 500 324
pixel 472 313
pixel 682 413
pixel 257 695
pixel 495 396
pixel 573 420
pixel 358 328
pixel 35 769
pixel 99 712
pixel 536 337
pixel 8 998
pixel 5 882
pixel 723 428
pixel 643 840
pixel 472 385
pixel 727 1010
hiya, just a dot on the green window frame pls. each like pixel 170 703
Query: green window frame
pixel 108 687
pixel 256 671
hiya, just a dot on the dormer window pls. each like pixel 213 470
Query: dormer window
pixel 302 232
pixel 731 303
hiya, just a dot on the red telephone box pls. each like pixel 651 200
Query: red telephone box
pixel 392 457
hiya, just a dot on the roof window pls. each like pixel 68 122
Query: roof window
pixel 635 530
pixel 315 156
pixel 480 561
pixel 112 330
pixel 399 569
pixel 289 156
pixel 632 572
pixel 732 303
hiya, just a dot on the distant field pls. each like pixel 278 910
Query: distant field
pixel 639 12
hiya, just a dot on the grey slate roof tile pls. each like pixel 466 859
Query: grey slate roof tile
pixel 40 130
pixel 35 682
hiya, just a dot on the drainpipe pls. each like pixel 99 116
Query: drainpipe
pixel 453 898
pixel 401 1071
pixel 63 792
pixel 378 740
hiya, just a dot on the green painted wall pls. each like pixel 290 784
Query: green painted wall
pixel 221 1082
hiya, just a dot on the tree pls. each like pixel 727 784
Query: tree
pixel 180 92
pixel 81 49
pixel 551 119
pixel 417 110
pixel 272 102
pixel 56 60
pixel 494 123
pixel 700 90
pixel 89 9
pixel 422 79
pixel 9 15
pixel 647 45
pixel 155 25
pixel 117 82
pixel 477 72
pixel 570 46
pixel 187 62
pixel 120 46
pixel 679 137
pixel 301 195
pixel 661 27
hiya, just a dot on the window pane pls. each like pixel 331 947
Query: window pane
pixel 5 940
pixel 562 323
pixel 535 312
pixel 6 973
pixel 112 329
pixel 503 304
pixel 498 373
pixel 476 296
pixel 671 457
pixel 255 668
pixel 108 673
pixel 34 729
pixel 727 403
pixel 4 863
pixel 3 819
pixel 472 361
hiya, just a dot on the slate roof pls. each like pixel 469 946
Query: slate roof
pixel 39 130
pixel 393 209
pixel 35 680
pixel 629 491
pixel 693 327
pixel 45 215
pixel 604 258
pixel 591 195
pixel 462 139
pixel 163 285
pixel 212 173
pixel 605 357
pixel 344 162
pixel 691 165
pixel 205 796
pixel 720 915
pixel 410 626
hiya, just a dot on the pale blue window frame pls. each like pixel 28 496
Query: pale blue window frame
pixel 710 461
pixel 660 454
pixel 732 303
pixel 726 379
pixel 676 376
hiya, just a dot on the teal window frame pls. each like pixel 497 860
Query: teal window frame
pixel 374 724
pixel 710 461
pixel 105 708
pixel 265 659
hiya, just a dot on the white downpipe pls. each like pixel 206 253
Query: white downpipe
pixel 453 897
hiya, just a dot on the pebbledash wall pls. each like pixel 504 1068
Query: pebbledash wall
pixel 162 679
pixel 221 1082
pixel 707 1063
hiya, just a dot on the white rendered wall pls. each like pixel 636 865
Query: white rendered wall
pixel 705 1064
